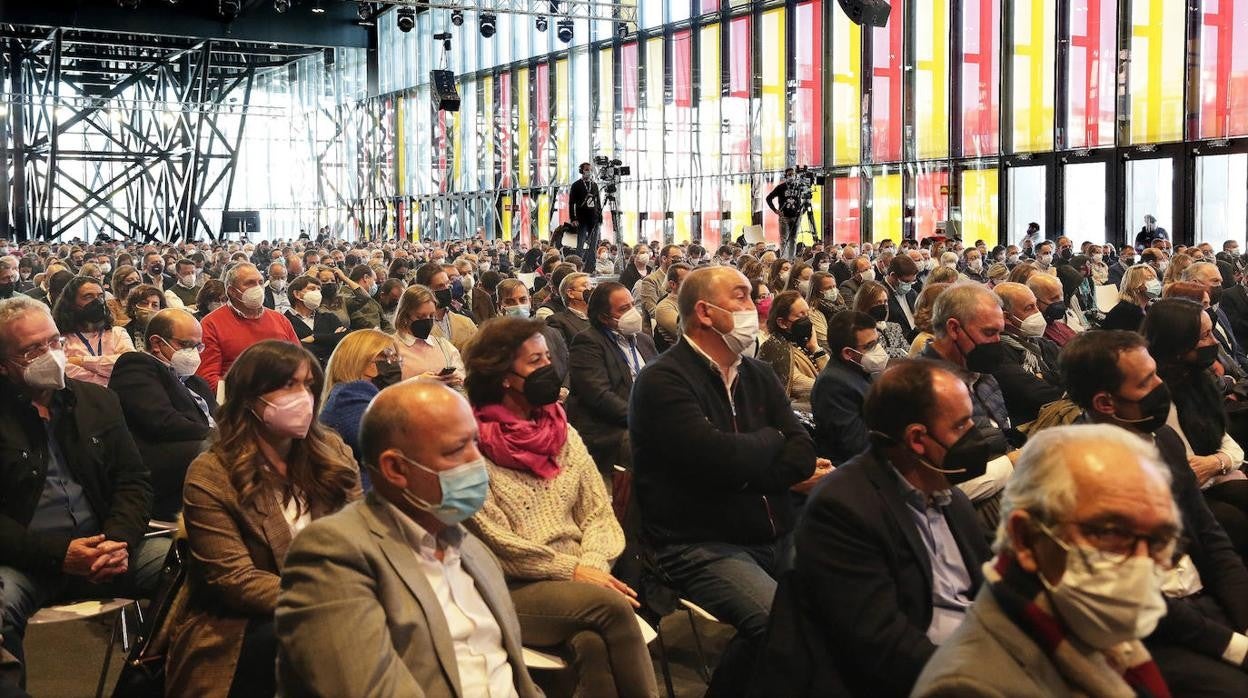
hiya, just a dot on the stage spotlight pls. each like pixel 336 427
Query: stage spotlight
pixel 542 24
pixel 563 30
pixel 229 9
pixel 489 23
pixel 621 29
pixel 281 6
pixel 406 18
pixel 363 11
pixel 457 18
pixel 129 4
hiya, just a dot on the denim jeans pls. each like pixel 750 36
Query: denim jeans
pixel 24 593
pixel 736 584
pixel 587 242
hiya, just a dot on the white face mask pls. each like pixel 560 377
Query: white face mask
pixel 874 360
pixel 1096 258
pixel 278 285
pixel 975 265
pixel 741 339
pixel 106 267
pixel 803 287
pixel 1105 603
pixel 187 281
pixel 630 322
pixel 312 299
pixel 831 294
pixel 1033 325
pixel 1045 259
pixel 253 298
pixel 868 275
pixel 185 362
pixel 47 372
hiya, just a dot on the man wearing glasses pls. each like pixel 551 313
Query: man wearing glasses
pixel 1089 538
pixel 75 497
pixel 168 408
pixel 1200 644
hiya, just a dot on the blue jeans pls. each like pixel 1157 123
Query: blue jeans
pixel 23 593
pixel 587 242
pixel 736 584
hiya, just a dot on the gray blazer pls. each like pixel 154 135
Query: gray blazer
pixel 356 617
pixel 989 656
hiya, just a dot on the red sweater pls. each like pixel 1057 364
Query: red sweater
pixel 227 334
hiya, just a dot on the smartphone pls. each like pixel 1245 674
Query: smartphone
pixel 447 371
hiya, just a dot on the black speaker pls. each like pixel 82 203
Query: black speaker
pixel 240 222
pixel 444 93
pixel 870 12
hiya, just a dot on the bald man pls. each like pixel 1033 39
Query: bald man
pixel 400 560
pixel 1051 302
pixel 716 450
pixel 167 407
pixel 1024 332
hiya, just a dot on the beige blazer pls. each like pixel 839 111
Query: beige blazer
pixel 356 616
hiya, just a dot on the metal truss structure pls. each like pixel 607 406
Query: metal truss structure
pixel 127 135
pixel 614 11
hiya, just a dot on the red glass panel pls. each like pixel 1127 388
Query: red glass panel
pixel 886 89
pixel 981 76
pixel 846 211
pixel 808 98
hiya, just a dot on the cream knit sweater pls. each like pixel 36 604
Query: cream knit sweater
pixel 542 529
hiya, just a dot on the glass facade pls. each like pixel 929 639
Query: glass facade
pixel 914 125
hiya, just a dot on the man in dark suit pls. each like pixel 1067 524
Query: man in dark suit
pixel 319 332
pixel 154 272
pixel 1235 305
pixel 836 400
pixel 586 209
pixel 843 267
pixel 901 281
pixel 1208 275
pixel 167 407
pixel 604 362
pixel 888 549
pixel 1200 643
pixel 1126 259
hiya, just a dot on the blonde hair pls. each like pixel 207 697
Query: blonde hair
pixel 352 355
pixel 1134 281
pixel 415 296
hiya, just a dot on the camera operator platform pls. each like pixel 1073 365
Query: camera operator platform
pixel 794 194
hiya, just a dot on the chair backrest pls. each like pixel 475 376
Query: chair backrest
pixel 143 675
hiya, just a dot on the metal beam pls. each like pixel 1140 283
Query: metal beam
pixel 572 9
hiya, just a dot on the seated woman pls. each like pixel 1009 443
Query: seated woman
pixel 547 517
pixel 319 331
pixel 424 353
pixel 604 360
pixel 872 299
pixel 1180 339
pixel 363 364
pixel 142 303
pixel 824 300
pixel 124 279
pixel 778 276
pixel 211 296
pixel 1225 369
pixel 1138 289
pixel 270 470
pixel 92 343
pixel 791 348
pixel 923 316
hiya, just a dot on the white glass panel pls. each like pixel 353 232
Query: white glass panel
pixel 1085 202
pixel 1222 199
pixel 1027 198
pixel 1150 191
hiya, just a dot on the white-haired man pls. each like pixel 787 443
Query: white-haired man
pixel 1088 525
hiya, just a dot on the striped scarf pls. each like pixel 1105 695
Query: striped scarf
pixel 1126 670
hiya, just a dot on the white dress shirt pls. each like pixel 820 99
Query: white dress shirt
pixel 483 666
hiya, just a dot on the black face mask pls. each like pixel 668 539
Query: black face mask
pixel 93 312
pixel 154 270
pixel 541 387
pixel 879 312
pixel 387 374
pixel 965 460
pixel 443 297
pixel 6 290
pixel 420 329
pixel 1055 311
pixel 1155 408
pixel 329 291
pixel 801 331
pixel 1205 356
pixel 1215 296
pixel 985 357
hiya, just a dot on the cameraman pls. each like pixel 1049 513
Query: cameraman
pixel 586 211
pixel 790 211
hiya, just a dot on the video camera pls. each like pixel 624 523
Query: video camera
pixel 610 171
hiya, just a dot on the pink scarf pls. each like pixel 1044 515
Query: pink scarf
pixel 523 444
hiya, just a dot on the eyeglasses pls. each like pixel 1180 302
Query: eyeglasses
pixel 33 352
pixel 186 344
pixel 389 358
pixel 1118 544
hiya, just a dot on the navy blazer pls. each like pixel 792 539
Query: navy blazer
pixel 865 576
pixel 324 333
pixel 601 385
pixel 897 315
pixel 836 400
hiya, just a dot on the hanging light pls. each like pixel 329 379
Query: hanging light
pixel 457 18
pixel 542 23
pixel 563 30
pixel 489 24
pixel 405 17
pixel 316 8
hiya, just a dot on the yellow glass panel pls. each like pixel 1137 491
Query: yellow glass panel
pixel 772 107
pixel 708 93
pixel 563 166
pixel 742 208
pixel 807 235
pixel 652 141
pixel 400 148
pixel 979 206
pixel 1035 47
pixel 523 146
pixel 629 226
pixel 457 147
pixel 486 145
pixel 606 105
pixel 886 207
pixel 1157 43
pixel 504 217
pixel 846 90
pixel 543 215
pixel 932 78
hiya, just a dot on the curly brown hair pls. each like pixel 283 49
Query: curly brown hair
pixel 315 467
pixel 489 355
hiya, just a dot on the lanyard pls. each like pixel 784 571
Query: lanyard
pixel 99 343
pixel 635 364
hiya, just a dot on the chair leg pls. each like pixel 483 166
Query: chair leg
pixel 138 613
pixel 667 668
pixel 108 653
pixel 703 669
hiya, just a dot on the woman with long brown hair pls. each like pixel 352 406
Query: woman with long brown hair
pixel 270 470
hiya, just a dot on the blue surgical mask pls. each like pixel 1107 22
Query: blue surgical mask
pixel 464 489
pixel 903 287
pixel 1153 289
pixel 520 311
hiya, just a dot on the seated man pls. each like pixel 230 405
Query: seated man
pixel 240 323
pixel 392 595
pixel 1200 644
pixel 75 494
pixel 856 358
pixel 1049 300
pixel 1024 329
pixel 168 407
pixel 716 449
pixel 1087 525
pixel 888 549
